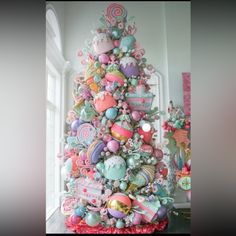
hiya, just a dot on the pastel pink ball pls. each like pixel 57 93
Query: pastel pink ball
pixel 116 43
pixel 136 115
pixel 113 146
pixel 107 138
pixel 103 58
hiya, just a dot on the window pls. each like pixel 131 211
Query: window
pixel 54 110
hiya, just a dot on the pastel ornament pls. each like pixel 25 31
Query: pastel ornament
pixel 92 219
pixel 129 66
pixel 127 43
pixel 114 168
pixel 86 133
pixel 71 166
pixel 104 58
pixel 116 32
pixel 113 146
pixel 158 153
pixel 119 205
pixel 111 113
pixel 74 219
pixel 136 115
pixel 132 162
pixel 116 43
pixel 120 224
pixel 140 99
pixel 123 186
pixel 115 76
pixel 94 151
pixel 137 218
pixel 122 130
pixel 162 212
pixel 75 124
pixel 102 43
pixel 103 101
pixel 80 210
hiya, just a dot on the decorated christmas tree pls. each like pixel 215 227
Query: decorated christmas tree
pixel 177 131
pixel 116 182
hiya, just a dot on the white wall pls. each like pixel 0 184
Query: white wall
pixel 178 26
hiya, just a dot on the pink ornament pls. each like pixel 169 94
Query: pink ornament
pixel 104 58
pixel 113 146
pixel 83 155
pixel 137 218
pixel 107 138
pixel 158 154
pixel 116 43
pixel 136 115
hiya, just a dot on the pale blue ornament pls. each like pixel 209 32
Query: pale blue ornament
pixel 127 43
pixel 92 219
pixel 111 113
pixel 120 224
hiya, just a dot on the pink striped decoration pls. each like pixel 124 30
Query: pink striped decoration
pixel 187 92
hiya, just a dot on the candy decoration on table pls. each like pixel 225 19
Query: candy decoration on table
pixel 115 181
pixel 86 133
pixel 119 205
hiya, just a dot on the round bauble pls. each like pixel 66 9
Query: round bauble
pixel 123 186
pixel 116 51
pixel 75 125
pixel 111 113
pixel 92 219
pixel 104 58
pixel 116 43
pixel 119 205
pixel 132 162
pixel 80 210
pixel 74 219
pixel 158 153
pixel 120 224
pixel 113 146
pixel 162 212
pixel 116 33
pixel 136 115
pixel 137 218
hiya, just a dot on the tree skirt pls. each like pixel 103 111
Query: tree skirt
pixel 82 228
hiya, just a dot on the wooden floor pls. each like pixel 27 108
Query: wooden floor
pixel 177 223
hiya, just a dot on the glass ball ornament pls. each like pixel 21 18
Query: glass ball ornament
pixel 80 210
pixel 123 186
pixel 92 218
pixel 111 113
pixel 120 224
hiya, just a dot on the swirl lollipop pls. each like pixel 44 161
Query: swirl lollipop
pixel 115 12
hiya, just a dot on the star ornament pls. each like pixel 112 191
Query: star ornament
pixel 181 137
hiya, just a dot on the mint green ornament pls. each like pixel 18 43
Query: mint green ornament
pixel 116 51
pixel 120 224
pixel 123 186
pixel 97 64
pixel 92 219
pixel 134 82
